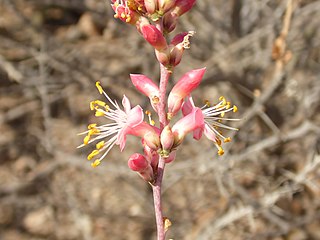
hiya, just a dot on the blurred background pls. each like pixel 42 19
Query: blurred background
pixel 266 186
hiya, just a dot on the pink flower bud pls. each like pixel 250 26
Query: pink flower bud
pixel 171 157
pixel 154 37
pixel 183 88
pixel 167 140
pixel 146 86
pixel 189 123
pixel 163 57
pixel 138 163
pixel 169 22
pixel 165 5
pixel 183 6
pixel 150 5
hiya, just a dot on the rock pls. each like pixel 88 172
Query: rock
pixel 297 234
pixel 87 25
pixel 24 164
pixel 40 222
pixel 6 214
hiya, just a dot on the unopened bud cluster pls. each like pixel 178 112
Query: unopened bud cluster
pixel 154 19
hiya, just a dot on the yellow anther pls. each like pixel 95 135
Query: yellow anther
pixel 148 112
pixel 99 87
pixel 155 99
pixel 100 145
pixel 140 8
pixel 220 151
pixel 92 154
pixel 86 139
pixel 222 114
pixel 92 126
pixel 235 108
pixel 224 102
pixel 93 131
pixel 92 103
pixel 207 103
pixel 152 122
pixel 100 103
pixel 128 19
pixel 228 105
pixel 116 15
pixel 123 15
pixel 96 163
pixel 228 139
pixel 107 108
pixel 99 114
pixel 169 116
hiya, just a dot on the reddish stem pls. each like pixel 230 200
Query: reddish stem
pixel 165 74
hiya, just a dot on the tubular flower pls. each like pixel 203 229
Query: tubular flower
pixel 123 122
pixel 212 116
pixel 182 89
pixel 193 121
pixel 146 86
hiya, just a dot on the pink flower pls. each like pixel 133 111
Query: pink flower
pixel 124 12
pixel 146 86
pixel 138 163
pixel 183 88
pixel 212 117
pixel 128 121
pixel 193 121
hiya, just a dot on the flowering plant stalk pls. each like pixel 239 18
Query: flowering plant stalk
pixel 155 20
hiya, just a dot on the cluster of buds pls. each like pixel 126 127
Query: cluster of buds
pixel 154 20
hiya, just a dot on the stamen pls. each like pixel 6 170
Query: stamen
pixel 96 163
pixel 235 108
pixel 99 87
pixel 86 139
pixel 99 113
pixel 100 145
pixel 228 139
pixel 207 103
pixel 93 154
pixel 151 122
pixel 220 151
pixel 92 126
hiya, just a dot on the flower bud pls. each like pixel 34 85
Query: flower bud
pixel 138 163
pixel 154 37
pixel 169 22
pixel 150 5
pixel 167 140
pixel 183 6
pixel 152 140
pixel 171 157
pixel 146 86
pixel 183 88
pixel 163 57
pixel 165 5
